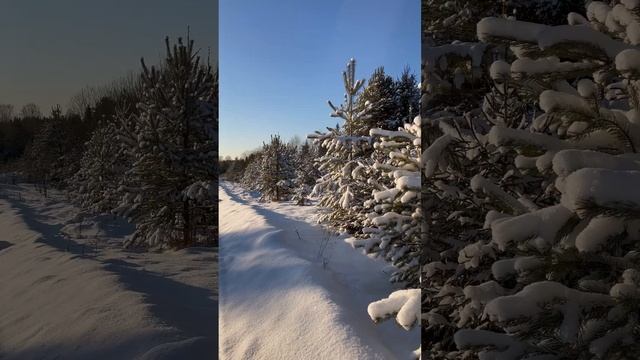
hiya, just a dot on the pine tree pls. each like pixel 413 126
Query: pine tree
pixel 169 191
pixel 393 210
pixel 306 173
pixel 347 151
pixel 102 167
pixel 45 157
pixel 251 173
pixel 394 219
pixel 276 170
pixel 407 99
pixel 378 97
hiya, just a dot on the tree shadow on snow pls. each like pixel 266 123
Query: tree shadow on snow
pixel 4 245
pixel 147 346
pixel 187 308
pixel 112 226
pixel 51 234
pixel 314 234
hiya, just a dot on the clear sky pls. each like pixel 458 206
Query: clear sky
pixel 280 61
pixel 51 49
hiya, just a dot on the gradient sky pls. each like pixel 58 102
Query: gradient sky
pixel 280 61
pixel 53 49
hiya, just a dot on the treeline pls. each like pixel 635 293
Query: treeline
pixel 144 148
pixel 17 133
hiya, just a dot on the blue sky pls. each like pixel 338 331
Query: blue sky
pixel 280 61
pixel 52 49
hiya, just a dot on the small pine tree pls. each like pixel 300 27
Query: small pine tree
pixel 276 170
pixel 102 166
pixel 346 152
pixel 306 173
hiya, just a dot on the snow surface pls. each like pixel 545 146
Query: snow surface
pixel 500 70
pixel 531 301
pixel 544 66
pixel 289 289
pixel 539 227
pixel 601 187
pixel 499 27
pixel 628 61
pixel 64 298
pixel 548 36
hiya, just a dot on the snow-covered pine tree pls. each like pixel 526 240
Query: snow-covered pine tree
pixel 251 173
pixel 169 191
pixel 102 167
pixel 394 215
pixel 454 217
pixel 406 98
pixel 562 220
pixel 453 87
pixel 306 173
pixel 455 20
pixel 378 97
pixel 276 171
pixel 395 218
pixel 346 150
pixel 456 77
pixel 44 157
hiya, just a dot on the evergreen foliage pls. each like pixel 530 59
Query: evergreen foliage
pixel 169 190
pixel 532 229
pixel 276 170
pixel 306 173
pixel 377 98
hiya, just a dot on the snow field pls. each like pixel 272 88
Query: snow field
pixel 298 300
pixel 60 303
